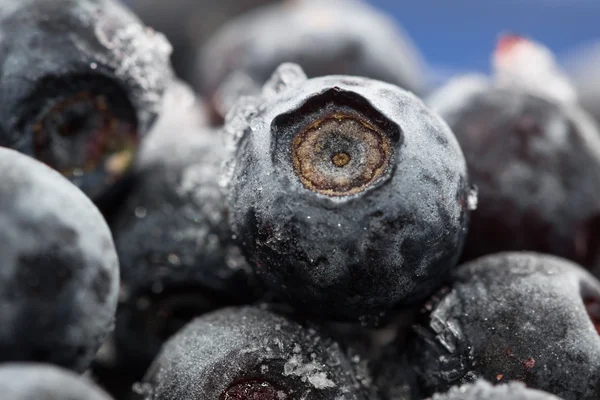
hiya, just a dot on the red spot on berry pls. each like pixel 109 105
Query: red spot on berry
pixel 592 306
pixel 529 363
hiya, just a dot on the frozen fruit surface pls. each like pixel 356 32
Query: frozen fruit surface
pixel 58 266
pixel 345 191
pixel 536 164
pixel 30 381
pixel 81 83
pixel 251 353
pixel 323 37
pixel 484 390
pixel 178 258
pixel 516 316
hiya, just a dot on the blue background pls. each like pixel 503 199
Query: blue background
pixel 458 35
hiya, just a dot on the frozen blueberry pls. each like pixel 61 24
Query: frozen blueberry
pixel 535 158
pixel 58 266
pixel 30 381
pixel 250 353
pixel 178 259
pixel 347 37
pixel 345 191
pixel 481 390
pixel 188 23
pixel 513 316
pixel 80 83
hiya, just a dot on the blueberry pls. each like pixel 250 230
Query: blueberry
pixel 178 259
pixel 59 267
pixel 536 164
pixel 324 38
pixel 30 381
pixel 80 84
pixel 188 23
pixel 250 353
pixel 345 191
pixel 513 316
pixel 533 153
pixel 484 390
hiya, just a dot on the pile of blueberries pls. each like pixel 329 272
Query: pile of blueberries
pixel 314 224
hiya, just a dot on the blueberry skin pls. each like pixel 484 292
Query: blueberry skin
pixel 361 253
pixel 536 165
pixel 324 38
pixel 31 381
pixel 58 265
pixel 484 390
pixel 513 316
pixel 178 259
pixel 222 354
pixel 53 49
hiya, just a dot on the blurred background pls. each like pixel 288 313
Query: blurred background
pixel 458 36
pixel 453 36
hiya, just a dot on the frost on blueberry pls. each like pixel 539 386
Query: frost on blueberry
pixel 482 389
pixel 250 353
pixel 178 259
pixel 80 84
pixel 31 381
pixel 58 265
pixel 513 317
pixel 347 37
pixel 345 191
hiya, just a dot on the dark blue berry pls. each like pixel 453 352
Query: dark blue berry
pixel 345 192
pixel 536 164
pixel 59 268
pixel 251 353
pixel 513 317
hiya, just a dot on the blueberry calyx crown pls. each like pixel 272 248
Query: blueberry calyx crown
pixel 341 145
pixel 340 155
pixel 83 126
